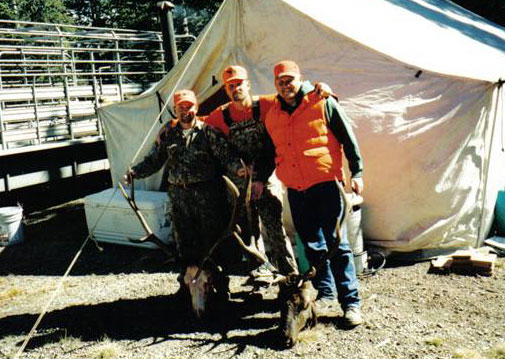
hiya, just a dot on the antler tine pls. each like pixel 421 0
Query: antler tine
pixel 251 249
pixel 232 188
pixel 346 207
pixel 154 239
pixel 150 236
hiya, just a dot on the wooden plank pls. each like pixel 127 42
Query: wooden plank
pixel 465 261
pixel 442 262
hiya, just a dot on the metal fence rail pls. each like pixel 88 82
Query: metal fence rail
pixel 53 77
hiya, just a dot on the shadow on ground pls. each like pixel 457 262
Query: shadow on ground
pixel 160 318
pixel 54 236
pixel 55 228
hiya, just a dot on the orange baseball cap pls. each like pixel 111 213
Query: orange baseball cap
pixel 184 96
pixel 234 73
pixel 286 68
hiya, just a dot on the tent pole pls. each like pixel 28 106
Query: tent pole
pixel 167 28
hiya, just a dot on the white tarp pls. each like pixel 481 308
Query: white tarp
pixel 416 77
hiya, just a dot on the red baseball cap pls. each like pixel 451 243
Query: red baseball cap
pixel 286 68
pixel 184 96
pixel 234 73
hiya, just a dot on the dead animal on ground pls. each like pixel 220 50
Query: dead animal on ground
pixel 296 293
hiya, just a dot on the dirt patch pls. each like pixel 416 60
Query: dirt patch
pixel 119 303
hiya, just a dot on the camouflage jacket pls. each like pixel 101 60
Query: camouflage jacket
pixel 200 156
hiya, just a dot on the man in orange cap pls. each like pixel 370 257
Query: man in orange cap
pixel 309 134
pixel 242 121
pixel 194 154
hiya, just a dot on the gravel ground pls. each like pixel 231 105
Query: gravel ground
pixel 118 303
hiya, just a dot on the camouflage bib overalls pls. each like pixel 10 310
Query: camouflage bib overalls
pixel 250 139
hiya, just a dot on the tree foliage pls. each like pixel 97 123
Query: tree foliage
pixel 7 10
pixel 493 10
pixel 52 11
pixel 132 14
pixel 143 14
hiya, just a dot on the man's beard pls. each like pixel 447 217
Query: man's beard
pixel 288 94
pixel 187 118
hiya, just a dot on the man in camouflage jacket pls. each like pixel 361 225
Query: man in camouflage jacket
pixel 242 121
pixel 196 155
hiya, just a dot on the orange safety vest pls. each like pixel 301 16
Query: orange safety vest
pixel 306 151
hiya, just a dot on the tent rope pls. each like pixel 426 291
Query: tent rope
pixel 61 282
pixel 501 100
pixel 90 235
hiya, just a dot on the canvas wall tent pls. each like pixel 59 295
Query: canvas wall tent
pixel 419 78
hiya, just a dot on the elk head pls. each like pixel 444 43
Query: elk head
pixel 201 282
pixel 297 309
pixel 199 287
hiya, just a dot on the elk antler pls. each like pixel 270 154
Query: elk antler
pixel 150 237
pixel 311 273
pixel 252 249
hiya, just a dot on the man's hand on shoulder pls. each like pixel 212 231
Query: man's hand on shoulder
pixel 323 89
pixel 243 171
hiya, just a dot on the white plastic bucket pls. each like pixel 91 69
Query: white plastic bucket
pixel 11 227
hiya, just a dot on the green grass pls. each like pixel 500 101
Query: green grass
pixel 497 352
pixel 107 350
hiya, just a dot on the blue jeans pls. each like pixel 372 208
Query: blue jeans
pixel 315 212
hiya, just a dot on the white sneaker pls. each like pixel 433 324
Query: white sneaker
pixel 352 317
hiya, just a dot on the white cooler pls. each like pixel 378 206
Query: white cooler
pixel 119 222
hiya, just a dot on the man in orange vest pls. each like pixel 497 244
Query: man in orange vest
pixel 309 134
